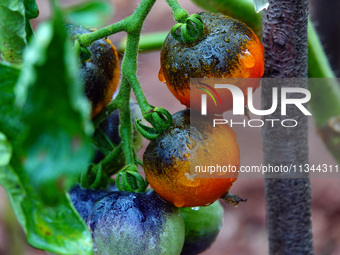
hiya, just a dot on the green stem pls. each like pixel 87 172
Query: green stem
pixel 179 13
pixel 112 163
pixel 317 59
pixel 87 39
pixel 325 100
pixel 139 16
pixel 112 160
pixel 129 70
pixel 132 25
pixel 125 128
pixel 239 9
pixel 147 41
pixel 102 142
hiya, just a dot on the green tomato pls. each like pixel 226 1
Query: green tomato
pixel 202 225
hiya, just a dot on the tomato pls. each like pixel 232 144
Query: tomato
pixel 84 199
pixel 136 223
pixel 202 225
pixel 227 49
pixel 100 73
pixel 184 146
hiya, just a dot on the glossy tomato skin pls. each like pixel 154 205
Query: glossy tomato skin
pixel 168 160
pixel 227 49
pixel 202 225
pixel 136 223
pixel 100 73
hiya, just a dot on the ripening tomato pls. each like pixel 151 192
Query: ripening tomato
pixel 227 49
pixel 171 160
pixel 100 73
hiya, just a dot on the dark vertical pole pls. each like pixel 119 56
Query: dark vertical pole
pixel 288 199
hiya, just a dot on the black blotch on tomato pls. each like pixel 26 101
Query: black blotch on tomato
pixel 84 199
pixel 98 71
pixel 178 141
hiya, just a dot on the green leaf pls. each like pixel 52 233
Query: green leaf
pixel 54 147
pixel 12 27
pixel 10 123
pixel 5 150
pixel 13 186
pixel 92 13
pixel 57 229
pixel 31 8
pixel 31 12
pixel 56 112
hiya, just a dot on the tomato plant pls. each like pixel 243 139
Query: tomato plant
pixel 68 150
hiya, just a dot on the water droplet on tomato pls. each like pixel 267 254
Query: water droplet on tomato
pixel 161 75
pixel 247 59
pixel 179 203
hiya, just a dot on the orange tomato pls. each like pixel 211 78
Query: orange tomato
pixel 227 49
pixel 170 161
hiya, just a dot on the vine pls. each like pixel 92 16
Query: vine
pixel 159 118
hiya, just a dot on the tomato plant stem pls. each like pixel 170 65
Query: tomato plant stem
pixel 180 14
pixel 125 128
pixel 132 25
pixel 242 9
pixel 325 101
pixel 148 41
pixel 288 198
pixel 129 69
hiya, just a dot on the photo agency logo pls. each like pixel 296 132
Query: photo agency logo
pixel 217 96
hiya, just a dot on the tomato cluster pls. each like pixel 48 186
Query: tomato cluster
pixel 226 49
pixel 180 214
pixel 142 223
